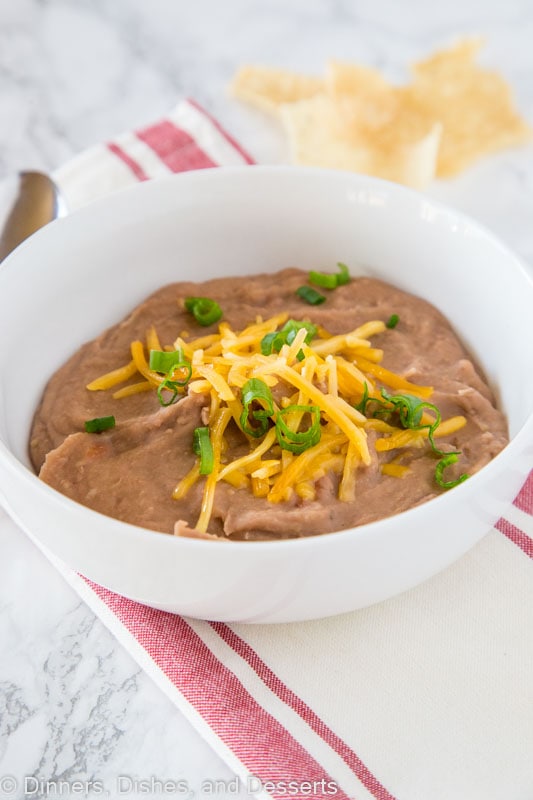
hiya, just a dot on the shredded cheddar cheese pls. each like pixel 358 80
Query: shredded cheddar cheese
pixel 133 388
pixel 395 470
pixel 221 419
pixel 391 379
pixel 113 378
pixel 323 375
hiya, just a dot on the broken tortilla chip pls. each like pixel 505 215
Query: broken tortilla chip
pixel 362 137
pixel 268 88
pixel 474 104
pixel 452 113
pixel 354 80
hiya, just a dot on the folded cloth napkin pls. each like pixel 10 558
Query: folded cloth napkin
pixel 427 696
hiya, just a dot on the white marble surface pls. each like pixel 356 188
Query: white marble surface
pixel 73 704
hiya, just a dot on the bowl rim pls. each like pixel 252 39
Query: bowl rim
pixel 251 172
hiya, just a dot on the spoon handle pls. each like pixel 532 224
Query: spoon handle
pixel 36 202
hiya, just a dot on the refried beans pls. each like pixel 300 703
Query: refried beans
pixel 131 471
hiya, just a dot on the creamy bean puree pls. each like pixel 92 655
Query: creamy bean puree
pixel 343 423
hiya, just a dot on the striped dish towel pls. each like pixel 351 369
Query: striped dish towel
pixel 427 696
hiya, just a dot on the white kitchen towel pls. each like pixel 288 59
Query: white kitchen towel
pixel 428 696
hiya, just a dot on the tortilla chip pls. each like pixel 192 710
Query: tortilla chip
pixel 344 78
pixel 452 113
pixel 374 138
pixel 474 105
pixel 268 88
pixel 312 129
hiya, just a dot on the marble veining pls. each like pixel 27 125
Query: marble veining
pixel 73 704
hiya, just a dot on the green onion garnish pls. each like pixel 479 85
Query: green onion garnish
pixel 448 459
pixel 410 409
pixel 167 385
pixel 344 275
pixel 392 321
pixel 99 424
pixel 204 310
pixel 162 361
pixel 365 399
pixel 177 371
pixel 256 391
pixel 330 280
pixel 326 280
pixel 201 445
pixel 298 441
pixel 292 326
pixel 310 295
pixel 273 342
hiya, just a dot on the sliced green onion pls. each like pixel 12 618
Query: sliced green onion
pixel 273 342
pixel 292 326
pixel 326 280
pixel 163 361
pixel 344 276
pixel 99 424
pixel 204 310
pixel 184 369
pixel 310 295
pixel 410 409
pixel 178 373
pixel 167 385
pixel 330 280
pixel 392 321
pixel 201 445
pixel 298 441
pixel 365 399
pixel 450 458
pixel 256 391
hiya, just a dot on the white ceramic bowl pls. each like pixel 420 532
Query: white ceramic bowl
pixel 85 272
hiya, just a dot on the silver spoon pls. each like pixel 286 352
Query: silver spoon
pixel 35 201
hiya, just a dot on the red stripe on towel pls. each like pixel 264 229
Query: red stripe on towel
pixel 516 536
pixel 524 499
pixel 136 168
pixel 217 695
pixel 175 147
pixel 271 680
pixel 236 146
